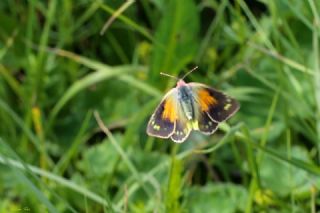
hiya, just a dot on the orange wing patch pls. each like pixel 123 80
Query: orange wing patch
pixel 206 100
pixel 169 111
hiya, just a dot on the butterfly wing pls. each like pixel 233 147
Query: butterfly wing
pixel 213 104
pixel 183 127
pixel 163 121
pixel 205 124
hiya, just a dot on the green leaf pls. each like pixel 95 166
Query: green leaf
pixel 216 198
pixel 283 178
pixel 99 159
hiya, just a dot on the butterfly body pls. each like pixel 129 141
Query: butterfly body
pixel 186 100
pixel 190 106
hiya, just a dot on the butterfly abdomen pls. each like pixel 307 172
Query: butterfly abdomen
pixel 186 101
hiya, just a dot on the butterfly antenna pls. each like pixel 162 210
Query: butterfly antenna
pixel 171 76
pixel 193 69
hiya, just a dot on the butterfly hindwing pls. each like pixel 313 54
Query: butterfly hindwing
pixel 162 122
pixel 205 124
pixel 182 131
pixel 216 104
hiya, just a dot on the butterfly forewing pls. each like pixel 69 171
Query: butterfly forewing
pixel 216 104
pixel 162 121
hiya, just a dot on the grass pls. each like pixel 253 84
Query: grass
pixel 80 79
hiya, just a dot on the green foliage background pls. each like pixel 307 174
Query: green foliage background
pixel 57 69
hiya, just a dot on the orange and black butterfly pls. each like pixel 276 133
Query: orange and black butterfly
pixel 190 106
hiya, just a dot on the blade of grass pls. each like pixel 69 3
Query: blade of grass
pixel 171 27
pixel 135 26
pixel 285 94
pixel 146 178
pixel 271 49
pixel 38 126
pixel 35 141
pixel 313 203
pixel 293 161
pixel 8 44
pixel 174 185
pixel 287 61
pixel 217 20
pixel 62 181
pixel 46 30
pixel 118 49
pixel 230 132
pixel 138 120
pixel 264 137
pixel 30 24
pixel 289 148
pixel 61 166
pixel 315 43
pixel 128 22
pixel 297 12
pixel 92 64
pixel 255 180
pixel 287 36
pixel 12 82
pixel 34 190
pixel 26 180
pixel 40 68
pixel 116 13
pixel 85 82
pixel 135 122
pixel 147 88
pixel 147 6
pixel 87 14
pixel 256 24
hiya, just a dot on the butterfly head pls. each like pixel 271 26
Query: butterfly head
pixel 181 83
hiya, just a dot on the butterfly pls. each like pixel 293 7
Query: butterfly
pixel 190 106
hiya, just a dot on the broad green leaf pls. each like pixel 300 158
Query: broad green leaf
pixel 283 178
pixel 99 160
pixel 216 198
